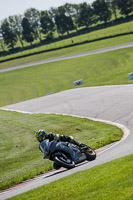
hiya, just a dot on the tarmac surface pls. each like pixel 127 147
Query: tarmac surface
pixel 107 103
pixel 110 104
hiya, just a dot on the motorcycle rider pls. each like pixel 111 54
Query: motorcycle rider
pixel 41 135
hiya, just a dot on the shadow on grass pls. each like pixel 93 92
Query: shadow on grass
pixel 64 170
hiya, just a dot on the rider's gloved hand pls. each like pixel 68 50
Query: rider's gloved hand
pixel 71 138
pixel 83 147
pixel 77 143
pixel 57 137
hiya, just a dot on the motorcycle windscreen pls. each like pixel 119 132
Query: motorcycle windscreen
pixel 45 154
pixel 44 147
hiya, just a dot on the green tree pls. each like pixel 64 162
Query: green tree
pixel 16 21
pixel 125 6
pixel 63 22
pixel 47 24
pixel 113 7
pixel 33 16
pixel 8 33
pixel 85 15
pixel 1 40
pixel 27 31
pixel 72 10
pixel 101 10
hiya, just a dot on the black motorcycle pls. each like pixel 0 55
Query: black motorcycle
pixel 66 154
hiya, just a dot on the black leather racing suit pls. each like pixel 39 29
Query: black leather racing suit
pixel 63 138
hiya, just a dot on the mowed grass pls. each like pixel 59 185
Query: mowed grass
pixel 21 159
pixel 106 32
pixel 68 51
pixel 100 69
pixel 19 152
pixel 110 181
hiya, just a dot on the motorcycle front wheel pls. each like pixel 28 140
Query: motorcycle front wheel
pixel 91 154
pixel 64 161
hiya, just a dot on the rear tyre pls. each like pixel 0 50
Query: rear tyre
pixel 64 161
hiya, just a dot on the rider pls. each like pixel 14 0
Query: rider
pixel 41 135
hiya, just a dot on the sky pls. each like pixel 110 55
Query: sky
pixel 16 7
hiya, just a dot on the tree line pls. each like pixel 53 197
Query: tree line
pixel 34 24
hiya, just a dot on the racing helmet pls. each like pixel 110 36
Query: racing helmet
pixel 41 135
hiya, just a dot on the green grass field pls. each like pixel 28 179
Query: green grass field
pixel 21 160
pixel 111 181
pixel 100 69
pixel 19 153
pixel 109 31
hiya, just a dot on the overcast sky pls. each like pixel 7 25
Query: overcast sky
pixel 15 7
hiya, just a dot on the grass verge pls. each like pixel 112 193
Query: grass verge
pixel 113 180
pixel 100 69
pixel 68 51
pixel 19 153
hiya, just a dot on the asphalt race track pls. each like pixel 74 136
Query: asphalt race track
pixel 111 103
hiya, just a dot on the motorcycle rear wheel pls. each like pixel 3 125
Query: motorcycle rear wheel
pixel 64 161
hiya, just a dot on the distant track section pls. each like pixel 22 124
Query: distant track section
pixel 106 49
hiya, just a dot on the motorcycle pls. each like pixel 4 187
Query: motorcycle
pixel 65 154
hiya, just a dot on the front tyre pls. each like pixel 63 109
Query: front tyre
pixel 55 166
pixel 64 161
pixel 91 154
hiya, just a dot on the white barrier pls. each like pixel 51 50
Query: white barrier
pixel 77 83
pixel 130 76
